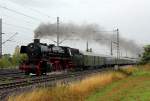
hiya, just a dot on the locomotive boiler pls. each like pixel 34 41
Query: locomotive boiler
pixel 43 58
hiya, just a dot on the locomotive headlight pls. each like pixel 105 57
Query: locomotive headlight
pixel 31 46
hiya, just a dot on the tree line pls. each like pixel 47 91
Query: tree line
pixel 12 61
pixel 145 58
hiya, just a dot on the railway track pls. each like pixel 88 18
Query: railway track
pixel 10 75
pixel 4 72
pixel 49 80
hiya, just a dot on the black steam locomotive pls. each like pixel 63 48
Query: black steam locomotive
pixel 43 58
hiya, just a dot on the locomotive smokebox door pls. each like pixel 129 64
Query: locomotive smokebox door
pixel 23 49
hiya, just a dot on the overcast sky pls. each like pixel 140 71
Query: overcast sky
pixel 132 17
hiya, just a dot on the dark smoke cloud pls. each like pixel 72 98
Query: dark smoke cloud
pixel 65 30
pixel 85 32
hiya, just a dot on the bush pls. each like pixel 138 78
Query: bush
pixel 77 91
pixel 8 61
pixel 129 70
pixel 146 55
pixel 5 62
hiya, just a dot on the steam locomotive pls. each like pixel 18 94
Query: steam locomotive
pixel 43 58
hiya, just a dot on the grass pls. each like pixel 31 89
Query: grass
pixel 127 84
pixel 77 91
pixel 134 88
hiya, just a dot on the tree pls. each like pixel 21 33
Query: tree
pixel 5 61
pixel 17 57
pixel 146 55
pixel 8 61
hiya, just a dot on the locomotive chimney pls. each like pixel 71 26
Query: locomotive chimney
pixel 36 41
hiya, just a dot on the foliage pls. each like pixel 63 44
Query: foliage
pixel 129 70
pixel 76 91
pixel 130 89
pixel 107 86
pixel 146 55
pixel 137 70
pixel 8 61
pixel 134 88
pixel 17 58
pixel 5 61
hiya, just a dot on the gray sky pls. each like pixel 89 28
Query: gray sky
pixel 130 16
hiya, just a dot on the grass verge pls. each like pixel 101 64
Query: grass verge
pixel 134 88
pixel 77 91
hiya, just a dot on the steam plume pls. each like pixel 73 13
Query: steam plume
pixel 86 32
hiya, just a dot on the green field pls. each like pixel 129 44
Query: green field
pixel 126 84
pixel 133 88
